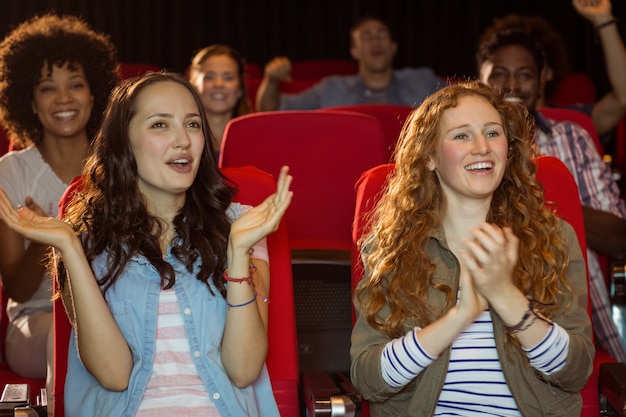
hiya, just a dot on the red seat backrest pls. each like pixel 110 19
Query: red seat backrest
pixel 326 153
pixel 577 88
pixel 254 186
pixel 5 143
pixel 132 69
pixel 391 117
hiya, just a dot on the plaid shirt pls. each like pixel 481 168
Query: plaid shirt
pixel 573 145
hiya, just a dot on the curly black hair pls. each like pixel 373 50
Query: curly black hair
pixel 52 40
pixel 541 39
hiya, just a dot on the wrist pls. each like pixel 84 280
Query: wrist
pixel 609 21
pixel 273 79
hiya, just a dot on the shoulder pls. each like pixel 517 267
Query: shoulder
pixel 421 73
pixel 28 154
pixel 335 81
pixel 564 130
pixel 15 164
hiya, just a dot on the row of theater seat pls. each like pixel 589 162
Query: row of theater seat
pixel 313 253
pixel 328 151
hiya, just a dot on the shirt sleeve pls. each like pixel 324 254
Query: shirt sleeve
pixel 550 354
pixel 402 359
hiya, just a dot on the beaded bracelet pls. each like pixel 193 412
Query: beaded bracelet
pixel 229 305
pixel 607 23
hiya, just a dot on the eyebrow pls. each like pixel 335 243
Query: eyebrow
pixel 525 67
pixel 467 125
pixel 71 78
pixel 170 115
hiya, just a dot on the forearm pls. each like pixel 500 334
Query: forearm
pixel 244 346
pixel 515 311
pixel 614 56
pixel 404 358
pixel 101 345
pixel 268 95
pixel 606 233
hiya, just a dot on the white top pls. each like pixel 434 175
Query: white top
pixel 24 173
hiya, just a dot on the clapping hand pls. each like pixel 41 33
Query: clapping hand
pixel 33 226
pixel 263 219
pixel 490 257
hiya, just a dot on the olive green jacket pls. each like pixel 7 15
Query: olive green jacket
pixel 536 394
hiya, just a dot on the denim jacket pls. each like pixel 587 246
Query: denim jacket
pixel 133 301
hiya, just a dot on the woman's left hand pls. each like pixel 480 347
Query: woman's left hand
pixel 491 256
pixel 263 219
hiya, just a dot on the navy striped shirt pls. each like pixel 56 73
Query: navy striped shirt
pixel 474 382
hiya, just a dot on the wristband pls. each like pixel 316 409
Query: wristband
pixel 613 21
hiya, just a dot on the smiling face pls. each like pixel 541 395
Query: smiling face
pixel 513 70
pixel 63 102
pixel 472 150
pixel 219 84
pixel 167 141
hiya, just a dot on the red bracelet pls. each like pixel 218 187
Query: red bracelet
pixel 247 279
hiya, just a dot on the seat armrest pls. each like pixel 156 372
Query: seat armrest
pixel 612 380
pixel 330 395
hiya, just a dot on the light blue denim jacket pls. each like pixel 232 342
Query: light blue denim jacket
pixel 133 301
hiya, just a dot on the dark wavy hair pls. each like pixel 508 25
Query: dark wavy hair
pixel 49 40
pixel 111 215
pixel 538 36
pixel 243 105
pixel 401 273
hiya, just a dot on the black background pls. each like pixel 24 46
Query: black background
pixel 441 34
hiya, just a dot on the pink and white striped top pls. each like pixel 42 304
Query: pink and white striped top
pixel 174 388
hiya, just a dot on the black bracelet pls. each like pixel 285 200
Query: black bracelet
pixel 520 326
pixel 607 23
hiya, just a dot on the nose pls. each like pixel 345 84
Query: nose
pixel 181 139
pixel 218 81
pixel 511 84
pixel 480 145
pixel 64 95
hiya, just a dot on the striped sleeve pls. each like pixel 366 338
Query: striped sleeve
pixel 549 355
pixel 402 359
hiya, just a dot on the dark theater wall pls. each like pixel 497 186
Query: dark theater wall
pixel 441 34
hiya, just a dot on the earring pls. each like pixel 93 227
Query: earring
pixel 34 108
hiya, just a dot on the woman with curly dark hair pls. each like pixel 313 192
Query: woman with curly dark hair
pixel 56 74
pixel 474 299
pixel 164 278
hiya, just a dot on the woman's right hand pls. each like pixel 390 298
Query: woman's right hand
pixel 34 227
pixel 471 303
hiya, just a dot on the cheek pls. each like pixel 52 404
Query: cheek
pixel 234 86
pixel 496 82
pixel 450 155
pixel 197 142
